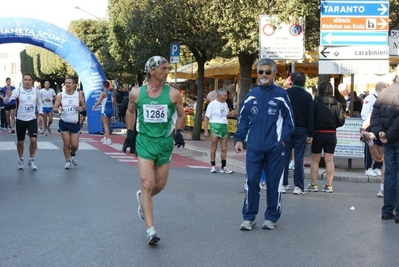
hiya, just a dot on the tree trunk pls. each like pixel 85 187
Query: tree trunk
pixel 246 62
pixel 196 134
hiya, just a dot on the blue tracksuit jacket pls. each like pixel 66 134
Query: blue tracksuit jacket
pixel 266 120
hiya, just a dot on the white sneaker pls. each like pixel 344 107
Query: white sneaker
pixel 9 131
pixel 21 164
pixel 32 164
pixel 269 225
pixel 225 170
pixel 291 166
pixel 299 191
pixel 283 191
pixel 370 172
pixel 67 165
pixel 74 161
pixel 213 169
pixel 262 185
pixel 378 172
pixel 103 140
pixel 45 133
pixel 380 193
pixel 108 142
pixel 288 187
pixel 247 225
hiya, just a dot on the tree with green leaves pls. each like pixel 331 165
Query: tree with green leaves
pixel 151 26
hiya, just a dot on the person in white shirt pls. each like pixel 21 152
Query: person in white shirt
pixel 376 169
pixel 216 114
pixel 29 101
pixel 48 97
pixel 69 103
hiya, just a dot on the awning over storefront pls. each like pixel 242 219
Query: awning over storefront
pixel 221 67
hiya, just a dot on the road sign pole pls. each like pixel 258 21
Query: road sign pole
pixel 175 73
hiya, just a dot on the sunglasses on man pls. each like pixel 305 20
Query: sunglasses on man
pixel 267 72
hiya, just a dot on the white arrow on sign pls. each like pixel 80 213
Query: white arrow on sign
pixel 383 9
pixel 354 66
pixel 330 38
pixel 383 23
pixel 354 52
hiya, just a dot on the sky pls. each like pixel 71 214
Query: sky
pixel 58 12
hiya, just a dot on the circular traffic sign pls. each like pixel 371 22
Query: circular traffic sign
pixel 295 29
pixel 268 30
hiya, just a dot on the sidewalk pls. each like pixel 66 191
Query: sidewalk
pixel 199 149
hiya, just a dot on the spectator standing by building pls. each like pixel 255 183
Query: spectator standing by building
pixel 302 108
pixel 29 115
pixel 368 103
pixel 229 101
pixel 265 119
pixel 3 120
pixel 385 125
pixel 216 114
pixel 9 108
pixel 328 116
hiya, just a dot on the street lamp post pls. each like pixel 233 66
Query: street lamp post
pixel 77 7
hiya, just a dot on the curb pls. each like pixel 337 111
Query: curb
pixel 238 166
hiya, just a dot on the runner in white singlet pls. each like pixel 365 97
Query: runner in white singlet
pixel 29 103
pixel 69 103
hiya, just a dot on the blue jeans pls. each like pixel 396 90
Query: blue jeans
pixel 391 182
pixel 298 143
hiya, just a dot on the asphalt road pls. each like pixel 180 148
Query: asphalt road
pixel 87 216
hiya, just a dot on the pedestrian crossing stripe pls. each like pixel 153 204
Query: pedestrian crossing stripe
pixel 12 145
pixel 46 145
pixel 8 145
pixel 122 157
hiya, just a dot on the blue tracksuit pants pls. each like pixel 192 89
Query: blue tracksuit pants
pixel 272 162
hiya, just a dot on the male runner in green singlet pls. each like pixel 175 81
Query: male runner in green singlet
pixel 159 112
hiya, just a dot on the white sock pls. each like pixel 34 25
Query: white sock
pixel 382 187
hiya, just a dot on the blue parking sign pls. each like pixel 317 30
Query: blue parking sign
pixel 174 53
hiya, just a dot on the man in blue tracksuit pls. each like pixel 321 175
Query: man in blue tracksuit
pixel 266 120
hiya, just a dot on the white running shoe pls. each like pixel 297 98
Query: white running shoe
pixel 74 161
pixel 225 170
pixel 370 172
pixel 45 133
pixel 32 164
pixel 152 237
pixel 103 140
pixel 108 142
pixel 67 165
pixel 269 225
pixel 380 193
pixel 288 187
pixel 291 166
pixel 262 185
pixel 213 169
pixel 299 191
pixel 21 164
pixel 378 172
pixel 247 225
pixel 283 190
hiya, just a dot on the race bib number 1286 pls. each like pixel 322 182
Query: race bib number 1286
pixel 155 113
